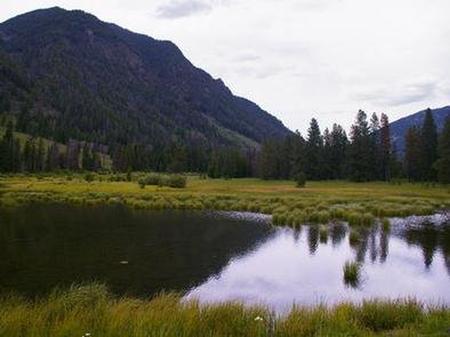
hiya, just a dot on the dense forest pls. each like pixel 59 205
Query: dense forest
pixel 366 155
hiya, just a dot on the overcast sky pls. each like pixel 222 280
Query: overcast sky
pixel 299 59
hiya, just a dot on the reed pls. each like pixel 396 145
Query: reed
pixel 352 274
pixel 90 310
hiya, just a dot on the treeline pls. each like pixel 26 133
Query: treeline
pixel 37 155
pixel 366 155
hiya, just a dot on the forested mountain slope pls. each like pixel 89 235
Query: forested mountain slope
pixel 67 75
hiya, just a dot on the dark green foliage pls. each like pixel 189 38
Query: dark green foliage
pixel 176 181
pixel 352 274
pixel 360 151
pixel 230 163
pixel 300 179
pixel 413 154
pixel 429 146
pixel 314 152
pixel 443 164
pixel 89 177
pixel 173 180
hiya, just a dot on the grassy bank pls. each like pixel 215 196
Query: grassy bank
pixel 318 202
pixel 92 311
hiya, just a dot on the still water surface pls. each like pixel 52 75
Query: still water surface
pixel 218 256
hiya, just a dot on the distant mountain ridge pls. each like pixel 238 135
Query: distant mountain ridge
pixel 66 74
pixel 399 127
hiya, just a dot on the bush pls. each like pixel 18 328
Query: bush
pixel 300 180
pixel 89 177
pixel 175 181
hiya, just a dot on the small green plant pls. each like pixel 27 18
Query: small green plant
pixel 141 183
pixel 354 238
pixel 323 234
pixel 386 224
pixel 89 177
pixel 352 271
pixel 176 181
pixel 300 180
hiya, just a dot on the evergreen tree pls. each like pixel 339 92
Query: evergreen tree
pixel 298 155
pixel 52 157
pixel 359 153
pixel 429 143
pixel 413 154
pixel 339 145
pixel 443 163
pixel 268 162
pixel 40 156
pixel 327 155
pixel 314 148
pixel 374 153
pixel 30 154
pixel 385 146
pixel 7 152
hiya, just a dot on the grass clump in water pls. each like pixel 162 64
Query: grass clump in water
pixel 352 274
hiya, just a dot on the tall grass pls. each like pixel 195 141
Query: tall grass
pixel 352 274
pixel 92 310
pixel 318 202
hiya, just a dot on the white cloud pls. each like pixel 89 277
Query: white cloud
pixel 300 58
pixel 182 8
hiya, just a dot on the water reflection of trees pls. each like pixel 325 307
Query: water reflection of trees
pixel 430 239
pixel 374 241
pixel 313 239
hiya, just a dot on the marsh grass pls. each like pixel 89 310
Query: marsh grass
pixel 319 202
pixel 352 274
pixel 354 237
pixel 91 309
pixel 323 234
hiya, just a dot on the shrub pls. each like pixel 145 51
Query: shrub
pixel 176 181
pixel 300 180
pixel 89 177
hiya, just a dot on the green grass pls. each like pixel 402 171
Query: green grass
pixel 91 309
pixel 319 202
pixel 352 274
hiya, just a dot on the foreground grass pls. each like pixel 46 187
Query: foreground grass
pixel 318 202
pixel 91 310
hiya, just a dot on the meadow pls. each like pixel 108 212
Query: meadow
pixel 90 310
pixel 317 202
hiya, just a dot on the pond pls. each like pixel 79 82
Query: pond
pixel 218 256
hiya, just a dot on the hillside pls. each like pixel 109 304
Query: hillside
pixel 399 127
pixel 66 74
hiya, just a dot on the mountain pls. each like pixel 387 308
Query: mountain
pixel 67 75
pixel 399 127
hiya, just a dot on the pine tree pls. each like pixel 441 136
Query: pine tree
pixel 314 148
pixel 385 145
pixel 298 165
pixel 339 146
pixel 40 156
pixel 413 154
pixel 429 149
pixel 443 163
pixel 7 149
pixel 374 154
pixel 327 155
pixel 359 153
